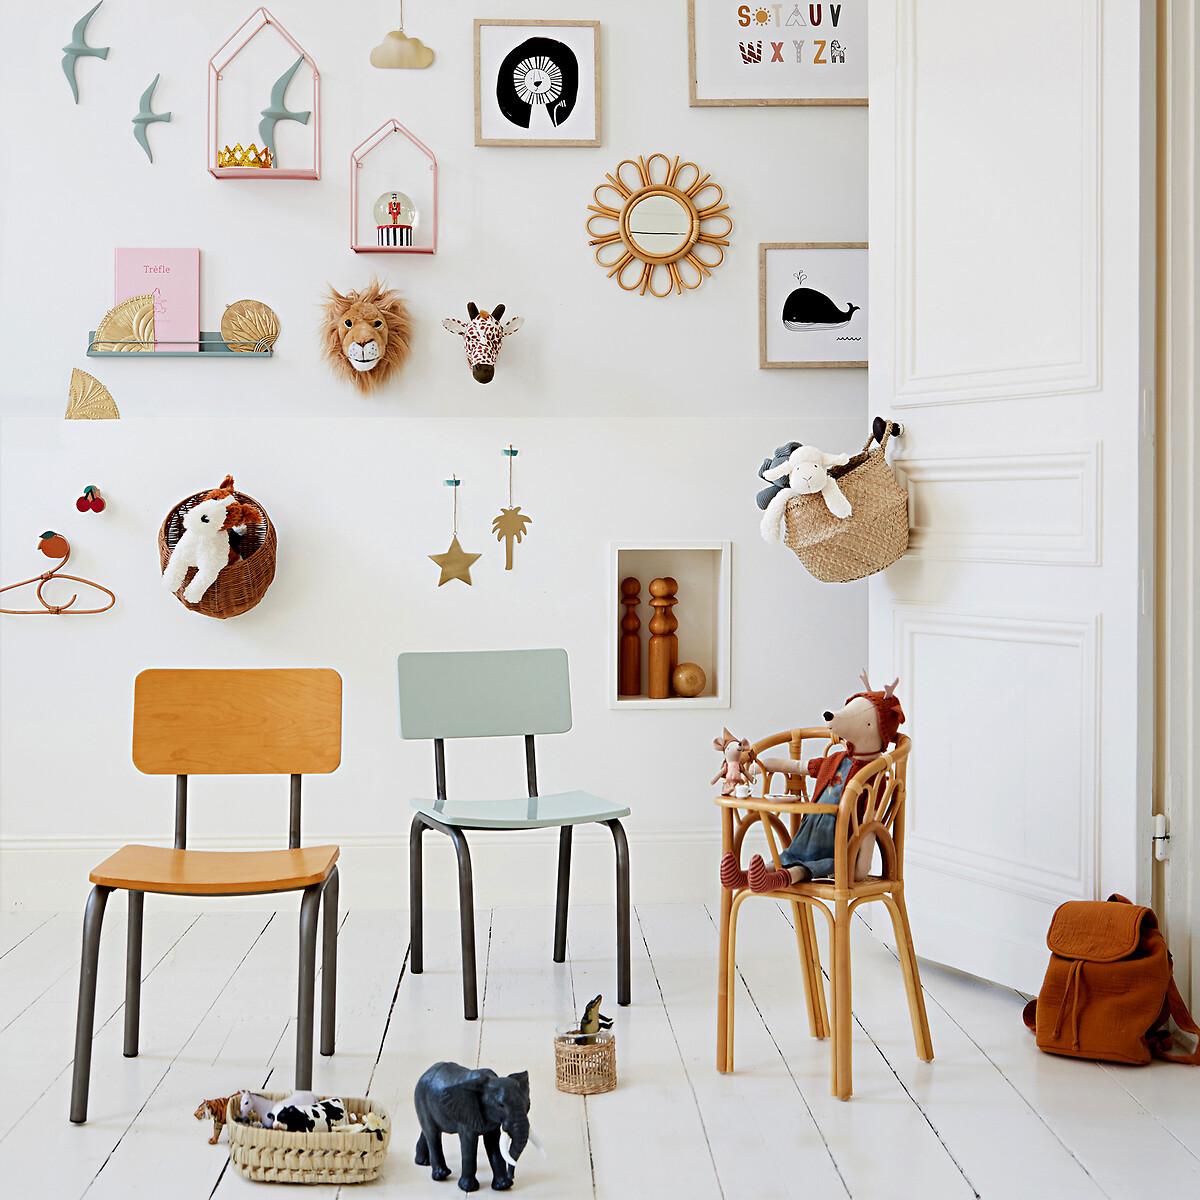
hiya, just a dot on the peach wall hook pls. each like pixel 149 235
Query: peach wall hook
pixel 54 545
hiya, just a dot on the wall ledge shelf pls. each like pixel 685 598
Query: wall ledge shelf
pixel 260 19
pixel 358 156
pixel 367 249
pixel 211 343
pixel 263 173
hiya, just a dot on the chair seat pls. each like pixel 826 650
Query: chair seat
pixel 524 812
pixel 215 872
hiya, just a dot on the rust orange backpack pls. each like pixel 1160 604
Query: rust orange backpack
pixel 1108 990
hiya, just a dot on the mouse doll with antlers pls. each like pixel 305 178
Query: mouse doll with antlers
pixel 867 724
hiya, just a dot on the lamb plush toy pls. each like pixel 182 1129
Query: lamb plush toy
pixel 807 473
pixel 205 544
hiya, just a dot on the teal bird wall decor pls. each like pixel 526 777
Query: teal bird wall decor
pixel 78 48
pixel 147 116
pixel 278 109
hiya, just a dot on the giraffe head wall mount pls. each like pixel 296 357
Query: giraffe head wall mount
pixel 483 336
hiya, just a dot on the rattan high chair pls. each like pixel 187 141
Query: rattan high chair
pixel 872 806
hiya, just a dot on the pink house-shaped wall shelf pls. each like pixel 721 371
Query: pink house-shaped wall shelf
pixel 357 157
pixel 254 24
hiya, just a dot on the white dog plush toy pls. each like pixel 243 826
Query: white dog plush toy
pixel 807 472
pixel 205 543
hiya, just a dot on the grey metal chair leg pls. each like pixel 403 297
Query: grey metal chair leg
pixel 564 886
pixel 329 957
pixel 310 909
pixel 133 973
pixel 621 845
pixel 466 922
pixel 93 919
pixel 416 913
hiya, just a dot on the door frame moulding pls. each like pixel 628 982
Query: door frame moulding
pixel 1177 644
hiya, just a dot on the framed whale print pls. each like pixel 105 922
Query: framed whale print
pixel 537 83
pixel 812 304
pixel 793 53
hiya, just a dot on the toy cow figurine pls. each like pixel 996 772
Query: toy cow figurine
pixel 482 338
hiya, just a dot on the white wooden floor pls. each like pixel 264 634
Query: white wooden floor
pixel 990 1117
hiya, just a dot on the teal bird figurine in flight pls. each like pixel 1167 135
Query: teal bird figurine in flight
pixel 278 109
pixel 78 48
pixel 147 116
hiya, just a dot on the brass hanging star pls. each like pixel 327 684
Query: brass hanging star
pixel 455 563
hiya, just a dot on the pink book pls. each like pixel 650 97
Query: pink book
pixel 172 277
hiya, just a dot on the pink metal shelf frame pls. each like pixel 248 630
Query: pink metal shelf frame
pixel 357 156
pixel 219 63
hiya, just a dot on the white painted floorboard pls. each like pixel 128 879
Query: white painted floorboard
pixel 989 1117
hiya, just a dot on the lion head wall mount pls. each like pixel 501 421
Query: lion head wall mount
pixel 367 335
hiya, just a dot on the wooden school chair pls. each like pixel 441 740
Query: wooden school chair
pixel 499 693
pixel 872 805
pixel 265 722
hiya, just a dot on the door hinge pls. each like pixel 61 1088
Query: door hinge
pixel 1161 841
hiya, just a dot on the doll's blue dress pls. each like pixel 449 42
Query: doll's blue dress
pixel 812 847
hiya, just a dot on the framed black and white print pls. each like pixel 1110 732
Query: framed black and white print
pixel 792 53
pixel 812 304
pixel 537 83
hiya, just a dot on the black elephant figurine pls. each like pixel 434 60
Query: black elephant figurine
pixel 453 1099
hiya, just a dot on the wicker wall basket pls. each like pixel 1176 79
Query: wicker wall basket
pixel 585 1070
pixel 873 537
pixel 276 1156
pixel 242 584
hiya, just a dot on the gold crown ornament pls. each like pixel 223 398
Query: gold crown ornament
pixel 237 157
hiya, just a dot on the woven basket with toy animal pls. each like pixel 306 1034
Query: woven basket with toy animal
pixel 302 1138
pixel 216 550
pixel 844 517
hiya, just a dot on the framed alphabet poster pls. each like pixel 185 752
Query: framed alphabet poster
pixel 812 304
pixel 537 83
pixel 790 53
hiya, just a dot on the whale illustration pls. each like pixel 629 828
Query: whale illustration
pixel 806 309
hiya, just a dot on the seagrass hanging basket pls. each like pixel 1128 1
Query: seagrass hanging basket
pixel 244 582
pixel 875 535
pixel 277 1156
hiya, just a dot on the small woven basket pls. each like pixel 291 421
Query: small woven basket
pixel 588 1069
pixel 875 535
pixel 242 584
pixel 276 1156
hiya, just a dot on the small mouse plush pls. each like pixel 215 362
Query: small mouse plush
pixel 738 770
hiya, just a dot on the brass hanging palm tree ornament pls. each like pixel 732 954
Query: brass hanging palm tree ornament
pixel 511 525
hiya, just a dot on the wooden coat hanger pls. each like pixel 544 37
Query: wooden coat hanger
pixel 54 545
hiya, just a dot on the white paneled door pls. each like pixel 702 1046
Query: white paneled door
pixel 1012 315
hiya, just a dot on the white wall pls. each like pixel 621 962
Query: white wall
pixel 636 418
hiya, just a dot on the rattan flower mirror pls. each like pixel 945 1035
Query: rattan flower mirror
pixel 659 225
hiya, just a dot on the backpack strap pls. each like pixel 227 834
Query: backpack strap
pixel 1029 1014
pixel 1160 1040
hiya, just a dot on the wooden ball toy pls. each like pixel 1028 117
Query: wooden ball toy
pixel 688 679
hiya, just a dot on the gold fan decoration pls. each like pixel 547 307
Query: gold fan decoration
pixel 249 327
pixel 88 399
pixel 127 327
pixel 659 225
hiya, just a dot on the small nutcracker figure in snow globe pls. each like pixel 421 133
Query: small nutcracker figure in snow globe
pixel 395 219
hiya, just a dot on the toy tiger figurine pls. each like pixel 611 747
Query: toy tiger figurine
pixel 214 1109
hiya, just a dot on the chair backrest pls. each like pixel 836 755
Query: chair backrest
pixel 483 693
pixel 237 722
